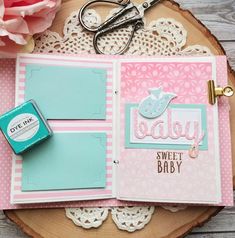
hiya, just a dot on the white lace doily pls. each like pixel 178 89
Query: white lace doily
pixel 164 36
pixel 87 217
pixel 131 218
pixel 126 218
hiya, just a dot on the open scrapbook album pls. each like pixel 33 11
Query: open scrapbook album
pixel 125 128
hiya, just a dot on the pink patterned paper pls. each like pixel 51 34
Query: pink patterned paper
pixel 7 101
pixel 196 184
pixel 7 92
pixel 105 126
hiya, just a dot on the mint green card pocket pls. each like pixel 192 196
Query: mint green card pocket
pixel 67 92
pixel 66 161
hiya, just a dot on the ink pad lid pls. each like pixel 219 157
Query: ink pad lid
pixel 24 127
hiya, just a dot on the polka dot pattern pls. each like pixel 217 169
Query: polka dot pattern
pixel 225 136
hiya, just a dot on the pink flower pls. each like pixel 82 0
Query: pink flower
pixel 21 19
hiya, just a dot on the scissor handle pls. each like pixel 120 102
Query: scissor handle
pixel 137 20
pixel 127 5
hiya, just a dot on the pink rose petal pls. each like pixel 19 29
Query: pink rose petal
pixel 13 3
pixel 18 25
pixel 22 18
pixel 17 38
pixel 30 9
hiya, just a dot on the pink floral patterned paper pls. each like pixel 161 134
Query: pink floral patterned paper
pixel 138 167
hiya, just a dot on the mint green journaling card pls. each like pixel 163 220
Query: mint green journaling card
pixel 66 161
pixel 67 92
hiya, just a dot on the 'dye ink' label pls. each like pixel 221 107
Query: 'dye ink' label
pixel 23 127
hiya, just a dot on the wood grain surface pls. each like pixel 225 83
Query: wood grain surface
pixel 219 17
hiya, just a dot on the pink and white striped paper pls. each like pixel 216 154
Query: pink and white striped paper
pixel 73 126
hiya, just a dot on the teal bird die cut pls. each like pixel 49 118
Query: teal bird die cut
pixel 156 103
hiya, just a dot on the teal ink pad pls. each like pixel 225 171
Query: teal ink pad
pixel 24 126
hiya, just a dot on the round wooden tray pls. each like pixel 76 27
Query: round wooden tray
pixel 53 222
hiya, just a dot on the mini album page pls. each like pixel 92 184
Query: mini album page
pixel 76 96
pixel 125 129
pixel 173 144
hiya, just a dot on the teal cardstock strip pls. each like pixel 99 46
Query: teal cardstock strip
pixel 66 161
pixel 65 92
pixel 129 144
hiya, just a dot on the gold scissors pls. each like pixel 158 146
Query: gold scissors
pixel 114 22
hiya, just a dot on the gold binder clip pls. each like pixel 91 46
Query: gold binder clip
pixel 214 92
